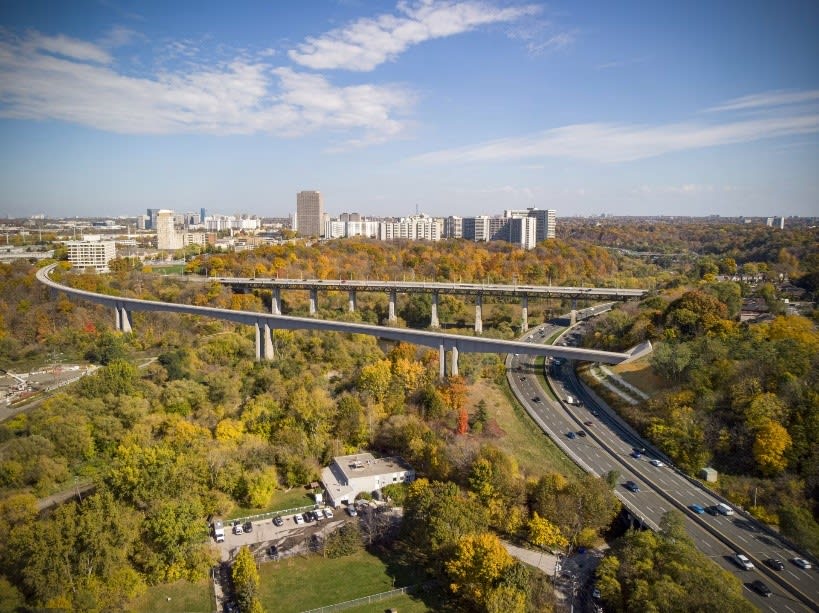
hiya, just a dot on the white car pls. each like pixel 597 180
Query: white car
pixel 298 519
pixel 237 529
pixel 328 513
pixel 802 563
pixel 742 560
pixel 657 463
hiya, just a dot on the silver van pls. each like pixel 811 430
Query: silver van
pixel 724 509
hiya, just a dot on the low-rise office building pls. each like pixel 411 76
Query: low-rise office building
pixel 349 475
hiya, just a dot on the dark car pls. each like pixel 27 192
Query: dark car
pixel 571 435
pixel 278 521
pixel 308 517
pixel 636 454
pixel 248 527
pixel 697 508
pixel 581 433
pixel 588 423
pixel 775 564
pixel 761 588
pixel 536 399
pixel 712 510
pixel 631 486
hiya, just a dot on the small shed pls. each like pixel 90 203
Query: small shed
pixel 709 474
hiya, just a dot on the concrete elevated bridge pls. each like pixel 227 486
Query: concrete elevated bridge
pixel 124 307
pixel 393 288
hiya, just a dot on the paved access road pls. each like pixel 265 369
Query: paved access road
pixel 608 445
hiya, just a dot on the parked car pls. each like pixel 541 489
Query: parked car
pixel 237 528
pixel 248 527
pixel 318 515
pixel 523 378
pixel 632 486
pixel 351 511
pixel 802 563
pixel 760 588
pixel 298 519
pixel 308 517
pixel 775 564
pixel 742 561
pixel 328 513
pixel 697 508
pixel 656 462
pixel 278 521
pixel 571 435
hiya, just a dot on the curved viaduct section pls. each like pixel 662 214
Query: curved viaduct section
pixel 478 290
pixel 264 323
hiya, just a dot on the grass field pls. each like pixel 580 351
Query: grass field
pixel 307 582
pixel 640 374
pixel 403 603
pixel 281 501
pixel 535 452
pixel 179 597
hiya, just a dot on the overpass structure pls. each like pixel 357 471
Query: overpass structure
pixel 393 288
pixel 124 307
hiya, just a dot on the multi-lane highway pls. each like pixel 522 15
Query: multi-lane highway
pixel 608 444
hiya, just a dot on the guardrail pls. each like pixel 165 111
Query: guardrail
pixel 357 602
pixel 272 514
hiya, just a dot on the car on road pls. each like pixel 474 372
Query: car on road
pixel 760 588
pixel 298 519
pixel 523 378
pixel 588 423
pixel 636 454
pixel 237 528
pixel 656 462
pixel 712 510
pixel 571 435
pixel 595 412
pixel 631 486
pixel 248 527
pixel 536 399
pixel 278 521
pixel 741 560
pixel 802 563
pixel 328 513
pixel 775 564
pixel 697 508
pixel 581 433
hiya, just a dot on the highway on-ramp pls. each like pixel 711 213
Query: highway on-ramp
pixel 608 444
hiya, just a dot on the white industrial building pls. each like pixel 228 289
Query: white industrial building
pixel 349 475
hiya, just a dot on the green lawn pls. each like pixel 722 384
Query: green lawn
pixel 307 582
pixel 281 501
pixel 179 597
pixel 403 603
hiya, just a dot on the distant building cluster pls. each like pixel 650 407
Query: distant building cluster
pixel 523 228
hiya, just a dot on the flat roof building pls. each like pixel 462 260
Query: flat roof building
pixel 349 475
pixel 91 254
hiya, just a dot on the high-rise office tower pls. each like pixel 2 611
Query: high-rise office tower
pixel 310 213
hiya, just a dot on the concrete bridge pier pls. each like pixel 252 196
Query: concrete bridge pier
pixel 264 343
pixel 351 301
pixel 524 314
pixel 433 319
pixel 478 319
pixel 392 317
pixel 454 368
pixel 123 319
pixel 573 317
pixel 313 301
pixel 276 301
pixel 441 362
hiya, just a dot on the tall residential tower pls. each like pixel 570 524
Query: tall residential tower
pixel 310 213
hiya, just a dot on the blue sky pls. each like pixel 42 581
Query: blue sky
pixel 456 107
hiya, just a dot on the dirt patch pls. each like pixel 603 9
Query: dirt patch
pixel 641 375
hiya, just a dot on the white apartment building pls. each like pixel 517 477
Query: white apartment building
pixel 417 227
pixel 91 254
pixel 166 236
pixel 349 475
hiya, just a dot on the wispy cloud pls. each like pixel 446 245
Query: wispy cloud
pixel 613 143
pixel 56 77
pixel 366 43
pixel 767 100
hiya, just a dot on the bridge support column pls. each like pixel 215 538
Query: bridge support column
pixel 433 319
pixel 478 319
pixel 276 301
pixel 441 362
pixel 454 369
pixel 125 321
pixel 392 318
pixel 573 317
pixel 351 301
pixel 313 301
pixel 524 314
pixel 267 343
pixel 118 318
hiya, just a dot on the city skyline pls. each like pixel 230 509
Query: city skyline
pixel 456 107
